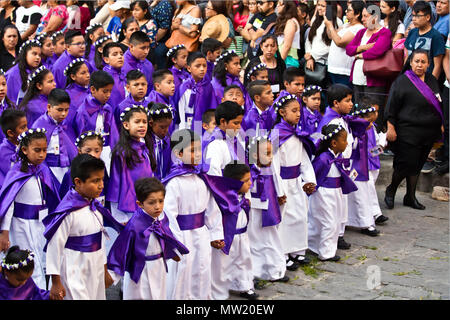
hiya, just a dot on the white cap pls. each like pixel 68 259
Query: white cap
pixel 119 4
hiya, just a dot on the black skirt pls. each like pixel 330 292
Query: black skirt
pixel 408 158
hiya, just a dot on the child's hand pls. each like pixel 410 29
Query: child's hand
pixel 57 291
pixel 176 258
pixel 281 200
pixel 309 188
pixel 218 244
pixel 4 240
pixel 108 279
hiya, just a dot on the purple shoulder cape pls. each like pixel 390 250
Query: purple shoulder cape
pixel 285 131
pixel 179 75
pixel 14 83
pixel 8 155
pixel 360 158
pixel 58 69
pixel 73 201
pixel 234 147
pixel 310 121
pixel 163 155
pixel 15 179
pixel 253 117
pixel 129 250
pixel 374 161
pixel 28 291
pixel 35 108
pixel 120 81
pixel 144 66
pixel 77 95
pixel 231 80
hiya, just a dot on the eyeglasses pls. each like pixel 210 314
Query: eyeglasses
pixel 79 44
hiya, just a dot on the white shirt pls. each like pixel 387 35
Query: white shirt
pixel 359 78
pixel 317 48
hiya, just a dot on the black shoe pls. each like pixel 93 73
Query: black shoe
pixel 442 169
pixel 372 233
pixel 428 166
pixel 342 244
pixel 389 198
pixel 413 203
pixel 292 265
pixel 284 279
pixel 303 262
pixel 250 295
pixel 381 219
pixel 334 259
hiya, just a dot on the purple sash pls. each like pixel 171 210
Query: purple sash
pixel 241 230
pixel 88 243
pixel 27 211
pixel 333 183
pixel 426 91
pixel 292 172
pixel 153 257
pixel 191 221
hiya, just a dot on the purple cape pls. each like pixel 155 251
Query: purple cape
pixel 28 291
pixel 158 97
pixel 283 93
pixel 121 186
pixel 35 108
pixel 179 76
pixel 58 69
pixel 129 250
pixel 360 158
pixel 15 180
pixel 252 117
pixel 163 155
pixel 310 121
pixel 209 69
pixel 201 99
pixel 67 148
pixel 128 101
pixel 120 81
pixel 77 95
pixel 86 119
pixel 47 62
pixel 14 83
pixel 285 131
pixel 231 80
pixel 225 193
pixel 322 165
pixel 73 201
pixel 234 147
pixel 265 190
pixel 67 184
pixel 8 155
pixel 144 66
pixel 374 161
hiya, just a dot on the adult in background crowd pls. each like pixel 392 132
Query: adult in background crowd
pixel 391 20
pixel 55 19
pixel 28 17
pixel 161 12
pixel 9 46
pixel 217 10
pixel 121 9
pixel 129 26
pixel 443 12
pixel 7 13
pixel 103 13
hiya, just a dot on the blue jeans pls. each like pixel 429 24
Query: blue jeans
pixel 340 78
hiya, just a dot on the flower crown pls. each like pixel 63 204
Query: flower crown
pixel 89 134
pixel 92 26
pixel 363 110
pixel 332 133
pixel 257 139
pixel 35 74
pixel 71 64
pixel 101 40
pixel 20 264
pixel 2 73
pixel 30 132
pixel 283 100
pixel 223 55
pixel 41 36
pixel 28 42
pixel 166 110
pixel 255 68
pixel 57 33
pixel 173 49
pixel 128 109
pixel 311 88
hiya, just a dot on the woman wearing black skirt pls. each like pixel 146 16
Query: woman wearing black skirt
pixel 414 119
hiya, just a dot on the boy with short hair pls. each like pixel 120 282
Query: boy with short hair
pixel 234 93
pixel 259 116
pixel 136 57
pixel 13 122
pixel 208 124
pixel 76 235
pixel 211 49
pixel 164 87
pixel 294 83
pixel 95 114
pixel 61 150
pixel 113 58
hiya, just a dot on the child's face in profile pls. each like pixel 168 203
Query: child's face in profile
pixel 312 102
pixel 94 147
pixel 234 95
pixel 92 187
pixel 181 60
pixel 137 125
pixel 59 47
pixel 22 126
pixel 291 112
pixel 296 86
pixel 339 143
pixel 140 51
pixel 213 55
pixel 47 85
pixel 18 278
pixel 233 126
pixel 138 88
pixel 167 86
pixel 234 66
pixel 115 58
pixel 265 154
pixel 153 205
pixel 36 151
pixel 344 106
pixel 58 112
pixel 210 126
pixel 192 154
pixel 266 97
pixel 82 76
pixel 102 94
pixel 160 127
pixel 247 180
pixel 197 69
pixel 3 87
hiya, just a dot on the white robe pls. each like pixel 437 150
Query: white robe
pixel 327 207
pixel 373 198
pixel 26 233
pixel 190 278
pixel 360 214
pixel 293 228
pixel 53 148
pixel 82 273
pixel 233 271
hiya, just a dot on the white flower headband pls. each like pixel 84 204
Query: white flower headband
pixel 101 40
pixel 331 134
pixel 41 36
pixel 71 64
pixel 168 109
pixel 29 132
pixel 89 134
pixel 223 55
pixel 283 100
pixel 2 73
pixel 35 74
pixel 57 33
pixel 255 68
pixel 310 88
pixel 258 139
pixel 128 109
pixel 20 264
pixel 363 110
pixel 89 28
pixel 173 49
pixel 28 42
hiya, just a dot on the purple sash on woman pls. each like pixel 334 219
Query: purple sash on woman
pixel 426 91
pixel 285 131
pixel 28 291
pixel 128 252
pixel 265 191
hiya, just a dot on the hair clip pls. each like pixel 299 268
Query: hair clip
pixel 166 110
pixel 102 40
pixel 258 139
pixel 35 74
pixel 311 88
pixel 29 42
pixel 173 49
pixel 283 100
pixel 128 109
pixel 93 26
pixel 57 33
pixel 20 264
pixel 255 68
pixel 71 64
pixel 89 134
pixel 331 134
pixel 30 132
pixel 223 55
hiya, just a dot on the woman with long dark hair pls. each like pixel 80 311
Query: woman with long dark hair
pixel 10 43
pixel 390 11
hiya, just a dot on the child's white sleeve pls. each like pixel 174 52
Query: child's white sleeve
pixel 172 208
pixel 307 170
pixel 55 247
pixel 213 219
pixel 214 156
pixel 6 223
pixel 278 181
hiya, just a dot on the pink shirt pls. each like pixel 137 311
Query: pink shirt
pixel 60 11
